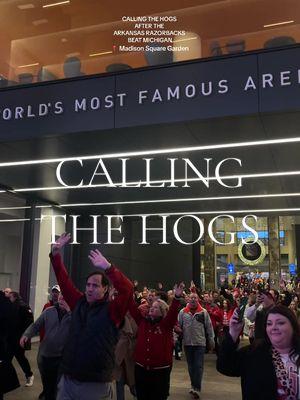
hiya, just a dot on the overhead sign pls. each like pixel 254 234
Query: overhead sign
pixel 237 85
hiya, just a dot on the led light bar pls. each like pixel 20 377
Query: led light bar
pixel 226 177
pixel 153 152
pixel 278 24
pixel 60 3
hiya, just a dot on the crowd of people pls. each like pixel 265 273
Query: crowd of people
pixel 117 331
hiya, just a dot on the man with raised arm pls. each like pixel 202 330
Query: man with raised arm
pixel 88 359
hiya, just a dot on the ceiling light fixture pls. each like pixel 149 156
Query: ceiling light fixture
pixel 154 152
pixel 60 3
pixel 40 22
pixel 212 178
pixel 25 6
pixel 28 65
pixel 15 220
pixel 15 208
pixel 100 54
pixel 252 196
pixel 279 23
pixel 266 210
pixel 185 40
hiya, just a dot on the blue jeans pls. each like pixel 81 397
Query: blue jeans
pixel 195 359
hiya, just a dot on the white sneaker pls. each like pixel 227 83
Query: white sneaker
pixel 29 381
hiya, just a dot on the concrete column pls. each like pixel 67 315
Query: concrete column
pixel 209 259
pixel 196 256
pixel 274 251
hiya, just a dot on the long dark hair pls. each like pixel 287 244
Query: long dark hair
pixel 290 315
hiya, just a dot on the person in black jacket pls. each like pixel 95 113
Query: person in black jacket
pixel 23 318
pixel 8 376
pixel 269 368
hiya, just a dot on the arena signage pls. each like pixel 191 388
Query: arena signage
pixel 239 85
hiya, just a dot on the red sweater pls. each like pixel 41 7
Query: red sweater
pixel 215 313
pixel 154 347
pixel 117 308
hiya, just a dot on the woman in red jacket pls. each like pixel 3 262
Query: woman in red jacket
pixel 154 347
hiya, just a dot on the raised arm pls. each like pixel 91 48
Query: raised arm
pixel 171 317
pixel 135 312
pixel 69 291
pixel 33 329
pixel 119 306
pixel 230 359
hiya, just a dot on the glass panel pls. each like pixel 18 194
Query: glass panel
pixel 12 222
pixel 51 39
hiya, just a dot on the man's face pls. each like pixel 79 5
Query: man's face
pixel 94 290
pixel 170 294
pixel 206 298
pixel 54 295
pixel 215 296
pixel 151 297
pixel 7 291
pixel 193 302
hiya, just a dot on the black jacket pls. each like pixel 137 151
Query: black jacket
pixel 89 354
pixel 8 377
pixel 6 326
pixel 255 367
pixel 24 317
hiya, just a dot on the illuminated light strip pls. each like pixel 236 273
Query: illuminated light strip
pixel 279 23
pixel 149 152
pixel 56 4
pixel 14 208
pixel 185 40
pixel 28 65
pixel 267 210
pixel 246 176
pixel 15 220
pixel 252 196
pixel 100 54
pixel 275 195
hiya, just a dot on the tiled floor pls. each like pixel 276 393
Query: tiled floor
pixel 215 385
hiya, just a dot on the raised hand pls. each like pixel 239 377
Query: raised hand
pixel 178 289
pixel 23 340
pixel 60 243
pixel 98 260
pixel 63 304
pixel 235 326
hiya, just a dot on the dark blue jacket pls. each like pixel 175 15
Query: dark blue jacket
pixel 89 353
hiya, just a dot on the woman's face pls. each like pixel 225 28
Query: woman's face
pixel 279 331
pixel 155 310
pixel 293 305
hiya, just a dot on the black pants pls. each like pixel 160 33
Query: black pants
pixel 19 353
pixel 49 368
pixel 152 384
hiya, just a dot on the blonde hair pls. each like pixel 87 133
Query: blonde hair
pixel 163 306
